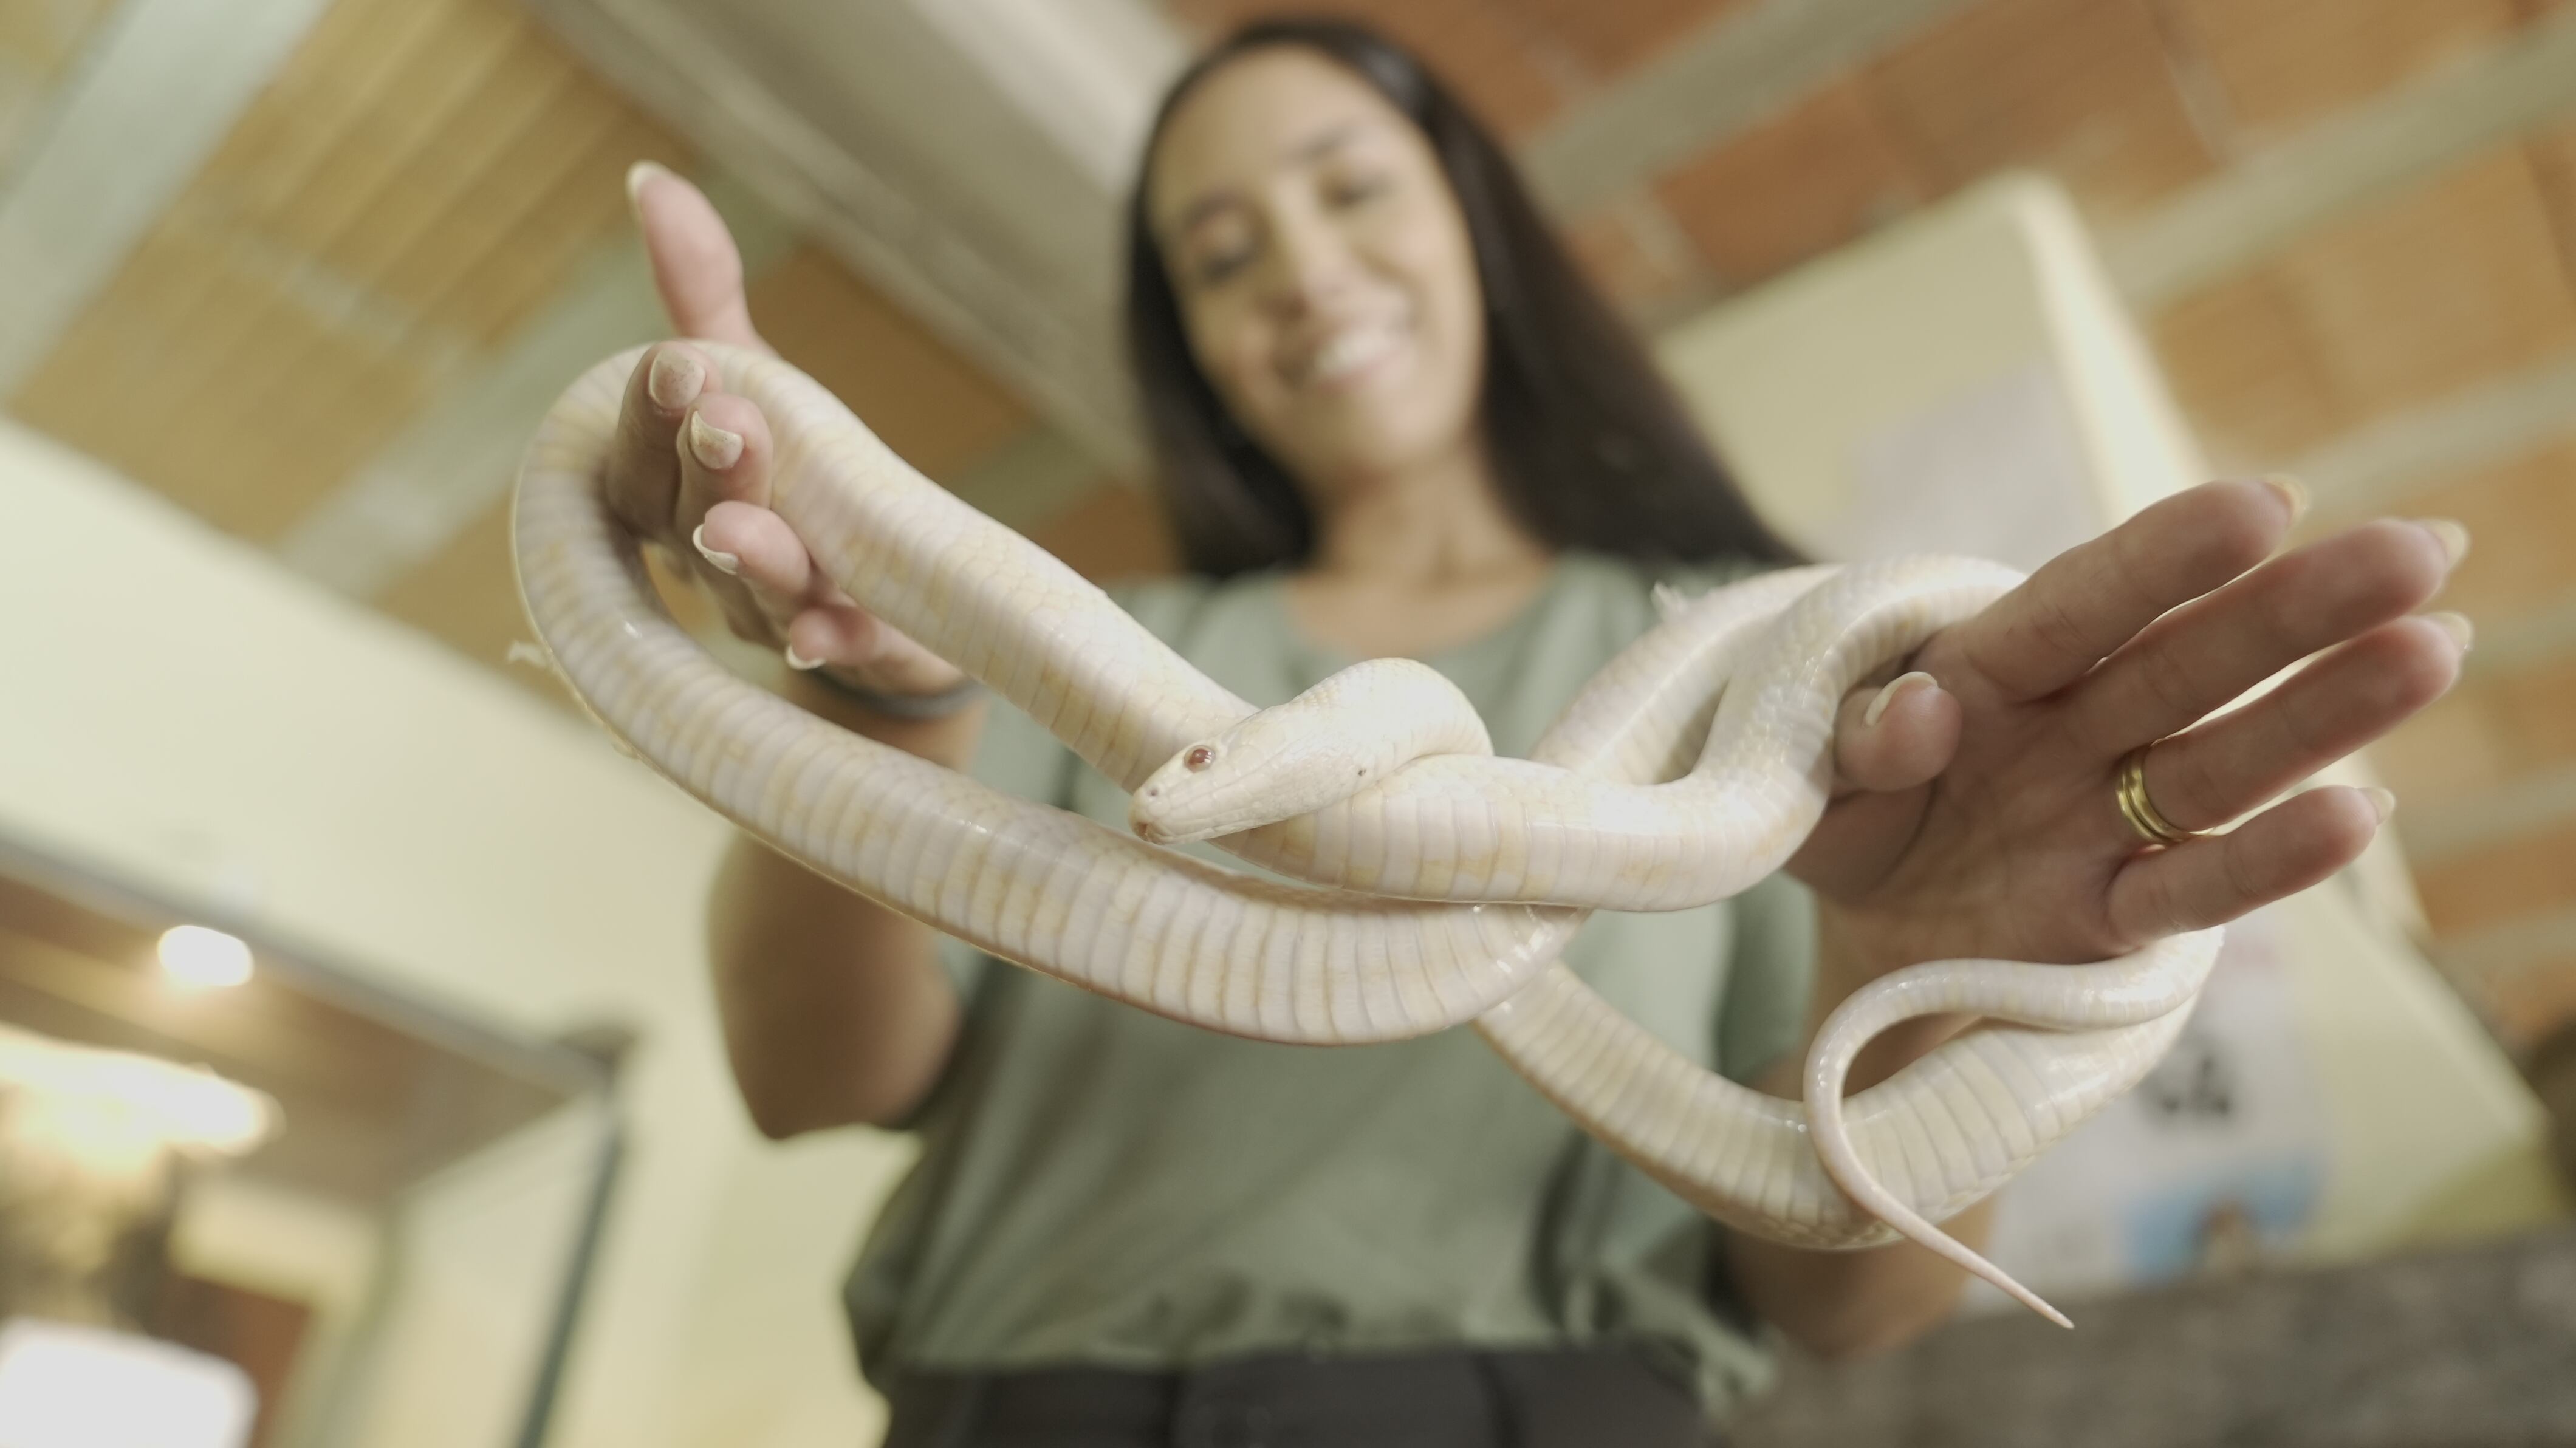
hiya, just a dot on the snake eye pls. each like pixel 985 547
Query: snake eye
pixel 1199 757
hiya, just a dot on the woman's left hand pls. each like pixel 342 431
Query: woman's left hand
pixel 1981 816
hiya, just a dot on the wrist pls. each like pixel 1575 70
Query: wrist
pixel 888 704
pixel 945 739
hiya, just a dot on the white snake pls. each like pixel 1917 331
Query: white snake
pixel 1497 860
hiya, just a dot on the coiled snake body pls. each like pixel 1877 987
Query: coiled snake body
pixel 1690 767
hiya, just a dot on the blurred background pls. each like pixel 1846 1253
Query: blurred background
pixel 286 284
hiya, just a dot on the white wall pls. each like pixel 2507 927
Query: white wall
pixel 176 709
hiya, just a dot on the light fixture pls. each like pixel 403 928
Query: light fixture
pixel 196 955
pixel 118 1102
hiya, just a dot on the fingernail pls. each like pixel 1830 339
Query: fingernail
pixel 2457 625
pixel 2451 535
pixel 799 662
pixel 2292 491
pixel 675 379
pixel 2380 800
pixel 724 562
pixel 1878 707
pixel 715 447
pixel 636 176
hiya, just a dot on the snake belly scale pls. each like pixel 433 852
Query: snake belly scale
pixel 1445 880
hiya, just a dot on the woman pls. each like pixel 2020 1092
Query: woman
pixel 1390 421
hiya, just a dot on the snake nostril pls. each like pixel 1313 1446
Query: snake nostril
pixel 1199 757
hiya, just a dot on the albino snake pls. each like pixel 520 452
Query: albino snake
pixel 1524 848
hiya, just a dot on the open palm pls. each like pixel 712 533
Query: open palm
pixel 1983 820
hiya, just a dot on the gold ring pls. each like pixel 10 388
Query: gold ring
pixel 2140 811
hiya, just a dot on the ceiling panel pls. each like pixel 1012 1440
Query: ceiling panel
pixel 1494 59
pixel 2516 876
pixel 420 213
pixel 417 182
pixel 2245 364
pixel 429 80
pixel 2454 751
pixel 2522 513
pixel 1607 40
pixel 185 375
pixel 2283 62
pixel 1637 254
pixel 1114 531
pixel 2553 173
pixel 2457 281
pixel 928 403
pixel 2080 87
pixel 2538 708
pixel 520 228
pixel 1794 187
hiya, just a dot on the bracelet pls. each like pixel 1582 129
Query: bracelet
pixel 901 706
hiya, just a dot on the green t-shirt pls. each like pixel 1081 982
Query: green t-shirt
pixel 1099 1185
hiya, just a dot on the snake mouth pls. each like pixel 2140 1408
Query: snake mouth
pixel 1145 827
pixel 1155 832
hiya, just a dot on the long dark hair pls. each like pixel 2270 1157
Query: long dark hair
pixel 1591 446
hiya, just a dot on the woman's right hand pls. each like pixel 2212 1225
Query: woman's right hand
pixel 689 470
pixel 834 1008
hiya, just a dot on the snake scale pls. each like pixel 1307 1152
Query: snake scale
pixel 1444 880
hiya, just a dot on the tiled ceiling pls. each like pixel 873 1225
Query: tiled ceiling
pixel 406 193
pixel 2395 305
pixel 411 191
pixel 2279 65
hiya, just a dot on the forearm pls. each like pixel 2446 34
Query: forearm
pixel 1843 1304
pixel 834 1008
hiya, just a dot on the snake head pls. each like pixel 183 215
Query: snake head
pixel 1169 808
pixel 1276 765
pixel 1338 738
pixel 1256 773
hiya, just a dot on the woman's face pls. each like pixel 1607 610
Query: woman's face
pixel 1323 269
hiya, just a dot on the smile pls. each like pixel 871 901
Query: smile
pixel 1349 353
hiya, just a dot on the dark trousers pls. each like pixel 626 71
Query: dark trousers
pixel 1453 1399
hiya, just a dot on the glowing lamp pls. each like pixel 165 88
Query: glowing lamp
pixel 196 955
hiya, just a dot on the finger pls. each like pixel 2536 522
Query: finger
pixel 841 634
pixel 756 567
pixel 696 266
pixel 752 615
pixel 1896 736
pixel 2349 697
pixel 1860 838
pixel 643 474
pixel 2276 854
pixel 814 618
pixel 881 655
pixel 1889 740
pixel 2210 651
pixel 724 452
pixel 767 555
pixel 2091 599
